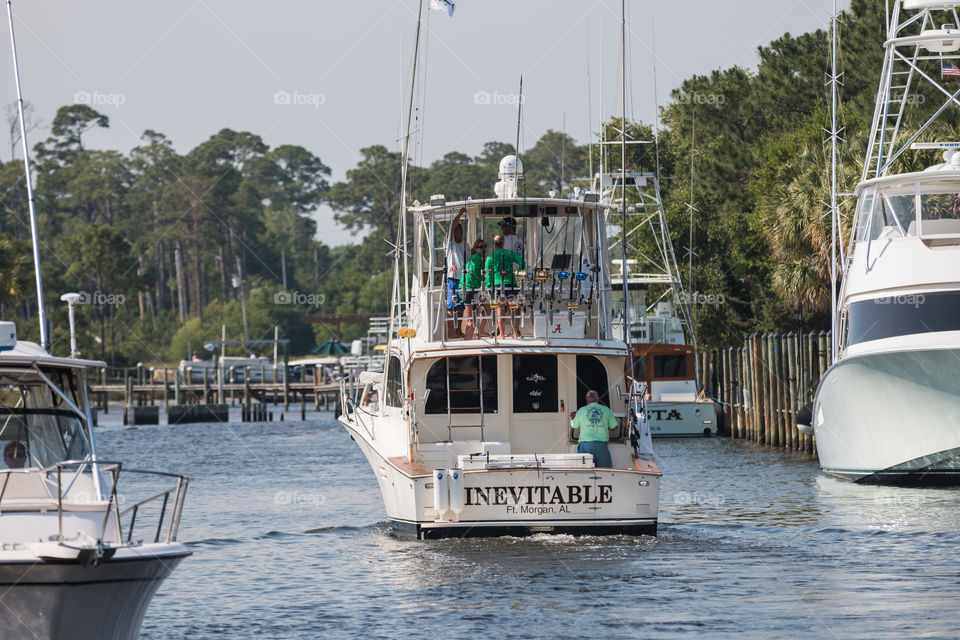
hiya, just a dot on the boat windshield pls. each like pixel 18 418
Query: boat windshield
pixel 884 213
pixel 37 427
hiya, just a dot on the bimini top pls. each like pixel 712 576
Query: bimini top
pixel 30 353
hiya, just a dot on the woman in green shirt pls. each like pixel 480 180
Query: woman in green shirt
pixel 502 280
pixel 472 285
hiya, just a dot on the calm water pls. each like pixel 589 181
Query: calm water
pixel 289 540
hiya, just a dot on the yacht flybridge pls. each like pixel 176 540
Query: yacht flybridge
pixel 888 410
pixel 472 436
pixel 74 561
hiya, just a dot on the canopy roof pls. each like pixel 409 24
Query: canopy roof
pixel 330 348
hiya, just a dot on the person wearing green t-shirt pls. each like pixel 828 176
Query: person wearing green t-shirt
pixel 592 425
pixel 502 281
pixel 472 284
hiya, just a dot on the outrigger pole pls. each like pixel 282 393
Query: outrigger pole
pixel 42 314
pixel 395 303
pixel 835 228
pixel 623 182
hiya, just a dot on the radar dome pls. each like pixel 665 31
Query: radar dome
pixel 511 166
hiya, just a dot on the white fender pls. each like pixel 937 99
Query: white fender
pixel 455 477
pixel 441 492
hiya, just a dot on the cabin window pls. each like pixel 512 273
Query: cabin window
pixel 902 315
pixel 670 366
pixel 591 374
pixel 466 384
pixel 394 383
pixel 535 384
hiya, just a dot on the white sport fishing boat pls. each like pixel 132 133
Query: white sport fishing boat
pixel 888 410
pixel 80 557
pixel 74 562
pixel 472 437
pixel 664 345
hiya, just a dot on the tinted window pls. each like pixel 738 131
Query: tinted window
pixel 535 386
pixel 902 315
pixel 462 385
pixel 669 366
pixel 591 374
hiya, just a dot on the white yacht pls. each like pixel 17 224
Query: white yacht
pixel 472 437
pixel 79 557
pixel 888 410
pixel 661 334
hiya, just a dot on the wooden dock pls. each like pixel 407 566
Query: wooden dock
pixel 322 396
pixel 760 387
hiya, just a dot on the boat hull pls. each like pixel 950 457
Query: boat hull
pixel 680 419
pixel 518 500
pixel 891 418
pixel 60 600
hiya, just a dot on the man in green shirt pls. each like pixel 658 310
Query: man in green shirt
pixel 592 425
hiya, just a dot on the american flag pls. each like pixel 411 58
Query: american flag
pixel 949 69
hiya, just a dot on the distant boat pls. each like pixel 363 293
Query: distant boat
pixel 663 344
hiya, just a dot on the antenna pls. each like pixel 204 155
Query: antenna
pixel 623 180
pixel 516 149
pixel 834 210
pixel 563 144
pixel 42 314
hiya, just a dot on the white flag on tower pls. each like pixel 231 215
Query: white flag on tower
pixel 443 6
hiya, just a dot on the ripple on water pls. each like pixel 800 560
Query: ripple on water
pixel 753 543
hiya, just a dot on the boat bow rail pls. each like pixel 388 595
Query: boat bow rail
pixel 67 491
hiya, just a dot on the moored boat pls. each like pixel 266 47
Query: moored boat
pixel 886 411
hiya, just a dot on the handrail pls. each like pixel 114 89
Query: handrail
pixel 172 519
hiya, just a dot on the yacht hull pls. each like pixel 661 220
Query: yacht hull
pixel 678 419
pixel 518 500
pixel 891 418
pixel 60 600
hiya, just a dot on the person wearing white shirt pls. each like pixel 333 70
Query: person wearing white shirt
pixel 511 241
pixel 456 256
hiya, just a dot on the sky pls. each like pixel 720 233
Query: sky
pixel 334 77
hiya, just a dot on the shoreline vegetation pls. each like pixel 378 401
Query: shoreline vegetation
pixel 159 243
